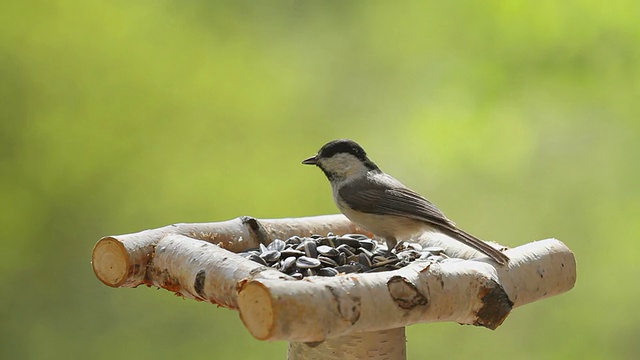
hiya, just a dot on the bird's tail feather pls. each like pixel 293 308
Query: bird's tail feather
pixel 479 245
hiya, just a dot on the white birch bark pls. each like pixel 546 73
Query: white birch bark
pixel 465 291
pixel 193 261
pixel 121 260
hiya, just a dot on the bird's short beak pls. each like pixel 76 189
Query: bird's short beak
pixel 311 161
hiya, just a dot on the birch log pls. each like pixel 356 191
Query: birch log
pixel 195 261
pixel 468 292
pixel 203 271
pixel 122 260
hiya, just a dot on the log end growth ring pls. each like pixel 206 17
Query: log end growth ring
pixel 110 262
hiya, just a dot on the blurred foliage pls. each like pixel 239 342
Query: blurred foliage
pixel 521 120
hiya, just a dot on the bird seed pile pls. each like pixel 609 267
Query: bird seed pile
pixel 332 255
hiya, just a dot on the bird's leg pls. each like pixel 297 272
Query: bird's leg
pixel 391 244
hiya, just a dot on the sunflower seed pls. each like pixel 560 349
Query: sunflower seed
pixel 381 250
pixel 386 262
pixel 277 245
pixel 257 258
pixel 305 262
pixel 347 269
pixel 326 261
pixel 364 260
pixel 311 249
pixel 327 271
pixel 356 236
pixel 310 272
pixel 348 241
pixel 297 276
pixel 346 249
pixel 294 240
pixel 342 259
pixel 291 252
pixel 367 244
pixel 328 241
pixel 327 250
pixel 270 256
pixel 287 264
pixel 362 250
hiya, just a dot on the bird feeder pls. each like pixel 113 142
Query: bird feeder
pixel 348 316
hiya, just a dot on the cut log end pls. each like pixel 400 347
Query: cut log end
pixel 110 262
pixel 258 317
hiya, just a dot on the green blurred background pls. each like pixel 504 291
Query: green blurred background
pixel 520 120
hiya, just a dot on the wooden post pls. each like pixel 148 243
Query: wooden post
pixel 372 345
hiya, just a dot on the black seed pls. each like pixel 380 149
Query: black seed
pixel 346 249
pixel 256 258
pixel 327 250
pixel 347 269
pixel 386 262
pixel 326 261
pixel 356 236
pixel 365 251
pixel 291 252
pixel 364 260
pixel 368 244
pixel 297 276
pixel 310 272
pixel 311 249
pixel 361 267
pixel 342 259
pixel 328 241
pixel 348 241
pixel 277 245
pixel 271 256
pixel 381 250
pixel 327 271
pixel 304 262
pixel 294 240
pixel 287 264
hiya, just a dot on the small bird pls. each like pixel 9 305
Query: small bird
pixel 379 203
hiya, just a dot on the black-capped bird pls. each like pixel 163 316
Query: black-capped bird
pixel 379 203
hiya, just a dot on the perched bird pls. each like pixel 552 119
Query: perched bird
pixel 379 203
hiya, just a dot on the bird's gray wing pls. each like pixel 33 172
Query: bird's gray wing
pixel 379 198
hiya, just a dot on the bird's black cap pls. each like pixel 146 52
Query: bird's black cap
pixel 342 146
